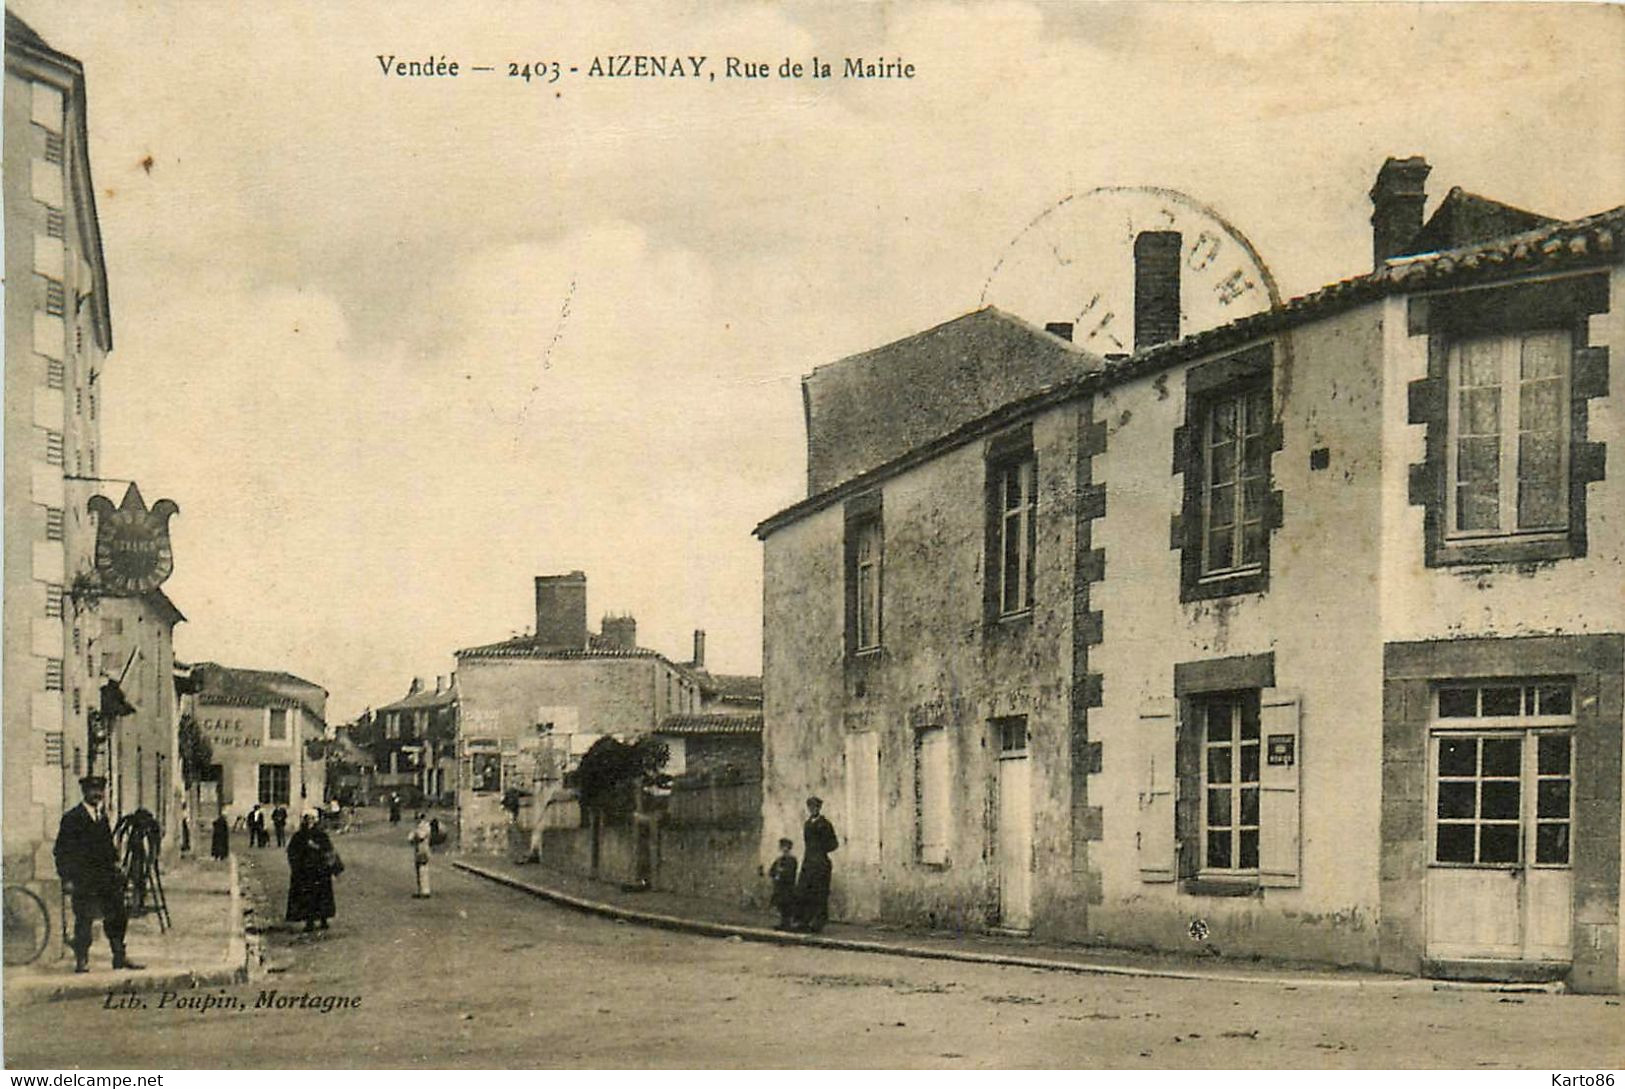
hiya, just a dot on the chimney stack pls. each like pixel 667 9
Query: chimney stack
pixel 619 632
pixel 1062 329
pixel 699 648
pixel 1396 206
pixel 1156 288
pixel 561 611
pixel 439 684
pixel 417 686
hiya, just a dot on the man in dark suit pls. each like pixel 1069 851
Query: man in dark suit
pixel 87 862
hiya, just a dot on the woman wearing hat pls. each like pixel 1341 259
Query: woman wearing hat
pixel 311 861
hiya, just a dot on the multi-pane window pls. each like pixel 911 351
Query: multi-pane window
pixel 53 523
pixel 56 374
pixel 1235 482
pixel 1016 502
pixel 867 573
pixel 55 298
pixel 274 784
pixel 53 599
pixel 53 447
pixel 1230 781
pixel 55 223
pixel 53 674
pixel 278 730
pixel 1513 780
pixel 1554 798
pixel 1509 420
pixel 53 147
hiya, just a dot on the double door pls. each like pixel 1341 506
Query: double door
pixel 1500 886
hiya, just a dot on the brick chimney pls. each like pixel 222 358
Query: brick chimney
pixel 699 648
pixel 416 686
pixel 561 611
pixel 1156 288
pixel 619 632
pixel 439 684
pixel 1396 206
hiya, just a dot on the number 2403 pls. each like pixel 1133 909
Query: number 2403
pixel 545 71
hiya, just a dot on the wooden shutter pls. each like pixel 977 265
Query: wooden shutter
pixel 1157 845
pixel 1278 806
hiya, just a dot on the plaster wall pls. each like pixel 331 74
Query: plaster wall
pixel 940 664
pixel 1318 618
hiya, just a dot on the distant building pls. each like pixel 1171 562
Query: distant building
pixel 413 742
pixel 1302 635
pixel 530 707
pixel 268 731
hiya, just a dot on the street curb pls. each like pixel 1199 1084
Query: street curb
pixel 853 945
pixel 233 968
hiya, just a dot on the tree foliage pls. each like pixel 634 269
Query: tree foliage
pixel 197 754
pixel 612 772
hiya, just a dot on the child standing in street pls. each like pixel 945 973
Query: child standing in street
pixel 783 875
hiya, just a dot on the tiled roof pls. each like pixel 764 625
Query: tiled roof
pixel 525 647
pixel 1592 242
pixel 228 686
pixel 700 725
pixel 728 687
pixel 424 698
pixel 1464 219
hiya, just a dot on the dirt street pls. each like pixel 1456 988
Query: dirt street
pixel 483 976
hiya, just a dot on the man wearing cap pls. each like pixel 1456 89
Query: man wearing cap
pixel 87 862
pixel 818 839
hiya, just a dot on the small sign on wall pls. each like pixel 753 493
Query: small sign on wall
pixel 1282 750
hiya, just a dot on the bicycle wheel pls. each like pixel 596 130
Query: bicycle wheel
pixel 27 925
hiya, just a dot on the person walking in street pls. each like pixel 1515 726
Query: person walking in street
pixel 818 839
pixel 419 839
pixel 220 837
pixel 279 821
pixel 312 863
pixel 783 875
pixel 394 809
pixel 256 824
pixel 87 863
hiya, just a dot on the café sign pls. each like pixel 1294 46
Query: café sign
pixel 133 554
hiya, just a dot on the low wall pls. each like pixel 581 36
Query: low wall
pixel 715 863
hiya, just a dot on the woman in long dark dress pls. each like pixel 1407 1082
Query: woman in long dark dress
pixel 310 884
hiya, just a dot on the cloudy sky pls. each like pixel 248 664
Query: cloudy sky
pixel 395 346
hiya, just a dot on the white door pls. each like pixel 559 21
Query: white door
pixel 1015 852
pixel 1499 884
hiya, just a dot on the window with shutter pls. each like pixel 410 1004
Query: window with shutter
pixel 1279 835
pixel 931 795
pixel 863 796
pixel 1157 845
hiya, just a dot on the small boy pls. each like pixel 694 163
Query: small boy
pixel 783 875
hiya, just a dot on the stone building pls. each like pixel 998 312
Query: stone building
pixel 87 633
pixel 1302 635
pixel 267 730
pixel 530 707
pixel 413 742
